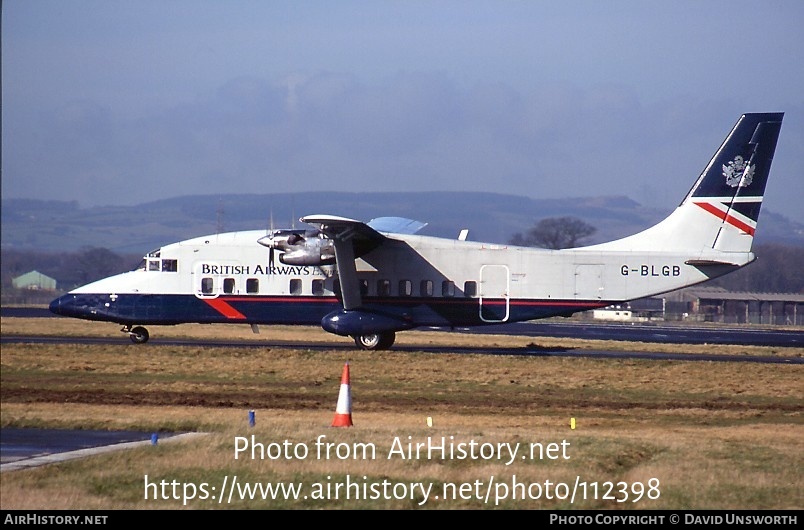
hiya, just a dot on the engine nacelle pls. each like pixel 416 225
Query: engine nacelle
pixel 282 239
pixel 362 322
pixel 313 254
pixel 300 247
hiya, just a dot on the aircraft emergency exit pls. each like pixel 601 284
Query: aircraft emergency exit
pixel 371 280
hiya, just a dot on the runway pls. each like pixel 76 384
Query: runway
pixel 656 333
pixel 649 332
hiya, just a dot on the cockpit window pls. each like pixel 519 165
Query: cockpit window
pixel 165 265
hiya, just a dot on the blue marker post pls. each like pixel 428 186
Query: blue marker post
pixel 154 438
pixel 251 420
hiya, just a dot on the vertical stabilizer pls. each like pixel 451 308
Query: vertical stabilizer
pixel 720 212
pixel 733 184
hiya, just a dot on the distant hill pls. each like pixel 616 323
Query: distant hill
pixel 52 226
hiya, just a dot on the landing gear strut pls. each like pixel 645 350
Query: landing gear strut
pixel 375 341
pixel 138 334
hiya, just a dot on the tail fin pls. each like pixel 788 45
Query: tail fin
pixel 720 212
pixel 733 184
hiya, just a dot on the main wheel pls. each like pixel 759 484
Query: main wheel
pixel 375 341
pixel 139 335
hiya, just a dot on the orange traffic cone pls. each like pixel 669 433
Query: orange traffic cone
pixel 343 411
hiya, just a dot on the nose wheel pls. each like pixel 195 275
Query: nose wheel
pixel 137 334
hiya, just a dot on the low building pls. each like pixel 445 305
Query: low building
pixel 714 304
pixel 711 304
pixel 642 310
pixel 35 281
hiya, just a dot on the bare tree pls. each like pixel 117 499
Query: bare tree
pixel 94 263
pixel 555 233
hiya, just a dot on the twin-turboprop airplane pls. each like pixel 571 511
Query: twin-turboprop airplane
pixel 371 280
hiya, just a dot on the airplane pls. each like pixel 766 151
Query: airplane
pixel 371 280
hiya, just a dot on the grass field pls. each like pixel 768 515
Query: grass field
pixel 647 434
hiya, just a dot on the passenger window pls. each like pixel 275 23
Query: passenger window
pixel 170 265
pixel 405 288
pixel 207 285
pixel 252 286
pixel 318 287
pixel 228 285
pixel 426 288
pixel 383 288
pixel 153 265
pixel 447 288
pixel 295 286
pixel 469 289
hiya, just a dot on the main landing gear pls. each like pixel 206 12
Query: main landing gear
pixel 137 334
pixel 375 341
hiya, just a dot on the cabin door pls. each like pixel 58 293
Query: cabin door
pixel 494 293
pixel 589 282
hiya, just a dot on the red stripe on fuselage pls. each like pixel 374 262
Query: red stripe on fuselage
pixel 225 309
pixel 408 300
pixel 733 221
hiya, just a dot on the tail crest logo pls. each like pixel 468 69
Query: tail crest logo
pixel 738 172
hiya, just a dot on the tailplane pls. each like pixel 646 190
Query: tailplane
pixel 720 212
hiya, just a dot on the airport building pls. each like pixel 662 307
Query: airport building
pixel 712 304
pixel 34 280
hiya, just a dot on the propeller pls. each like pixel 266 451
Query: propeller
pixel 298 246
pixel 269 233
pixel 279 239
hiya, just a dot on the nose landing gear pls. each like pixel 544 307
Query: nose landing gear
pixel 137 334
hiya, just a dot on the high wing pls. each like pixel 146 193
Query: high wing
pixel 346 234
pixel 354 238
pixel 397 225
pixel 315 246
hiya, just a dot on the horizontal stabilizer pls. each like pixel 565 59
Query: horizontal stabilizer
pixel 710 263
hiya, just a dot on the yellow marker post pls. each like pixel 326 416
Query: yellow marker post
pixel 572 423
pixel 429 421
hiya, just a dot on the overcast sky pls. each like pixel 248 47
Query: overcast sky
pixel 119 102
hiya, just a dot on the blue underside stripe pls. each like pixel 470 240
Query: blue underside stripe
pixel 309 310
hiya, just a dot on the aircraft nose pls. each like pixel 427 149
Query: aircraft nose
pixel 80 305
pixel 65 305
pixel 55 306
